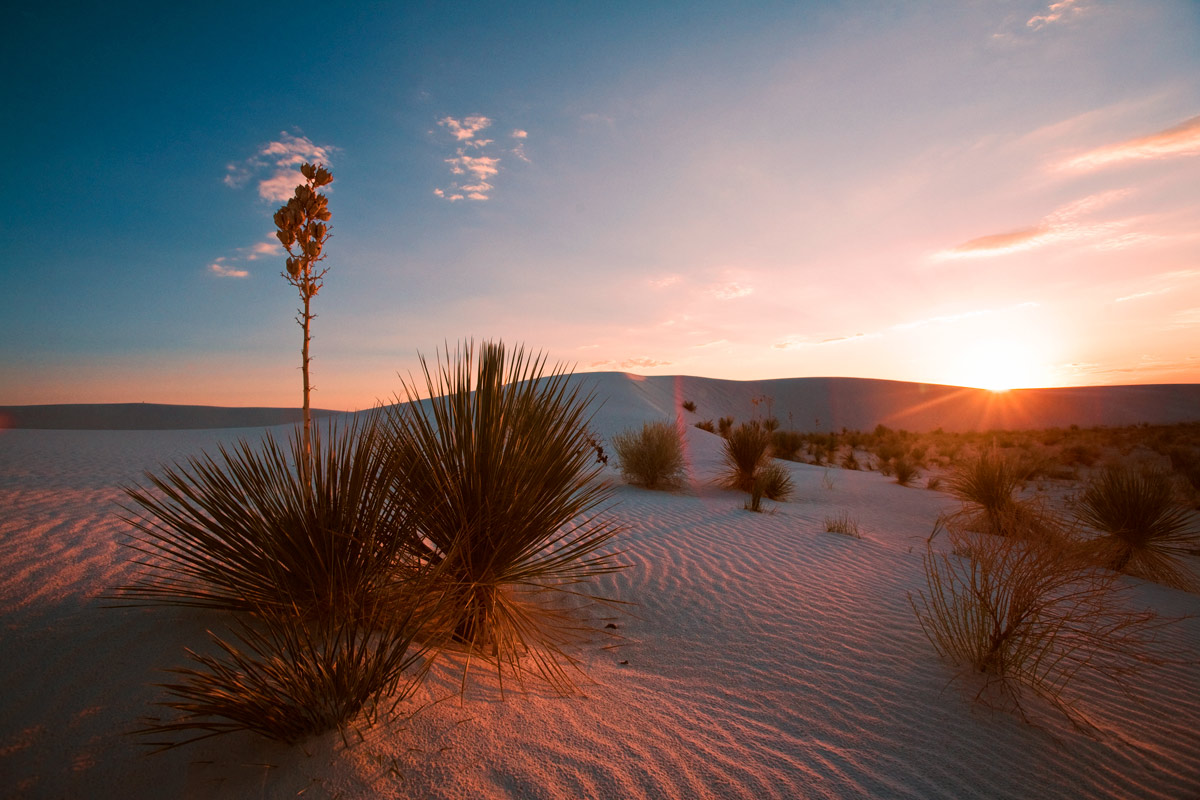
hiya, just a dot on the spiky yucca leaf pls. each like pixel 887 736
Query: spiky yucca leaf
pixel 286 678
pixel 1144 531
pixel 746 451
pixel 987 486
pixel 498 482
pixel 247 532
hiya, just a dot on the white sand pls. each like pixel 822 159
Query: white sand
pixel 767 658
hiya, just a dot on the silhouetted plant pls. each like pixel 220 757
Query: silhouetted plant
pixel 776 481
pixel 651 457
pixel 987 485
pixel 746 452
pixel 706 425
pixel 785 444
pixel 287 678
pixel 498 482
pixel 849 461
pixel 906 471
pixel 302 230
pixel 1030 614
pixel 1144 532
pixel 725 425
pixel 688 405
pixel 250 532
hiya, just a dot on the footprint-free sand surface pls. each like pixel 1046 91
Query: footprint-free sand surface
pixel 760 657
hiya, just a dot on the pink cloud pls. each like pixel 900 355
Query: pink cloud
pixel 1055 13
pixel 1181 140
pixel 219 269
pixel 466 128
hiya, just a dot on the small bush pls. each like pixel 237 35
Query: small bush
pixel 785 444
pixel 706 425
pixel 776 481
pixel 1143 531
pixel 906 471
pixel 1029 615
pixel 688 405
pixel 652 457
pixel 725 425
pixel 849 461
pixel 987 486
pixel 844 524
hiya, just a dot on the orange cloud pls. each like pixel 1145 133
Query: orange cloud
pixel 1181 140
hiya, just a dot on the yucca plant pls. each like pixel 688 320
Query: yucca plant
pixel 1144 532
pixel 785 444
pixel 287 678
pixel 987 486
pixel 651 457
pixel 746 451
pixel 249 532
pixel 1030 614
pixel 498 482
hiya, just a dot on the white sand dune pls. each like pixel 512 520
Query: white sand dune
pixel 766 658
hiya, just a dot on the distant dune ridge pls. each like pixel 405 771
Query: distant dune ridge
pixel 145 416
pixel 801 403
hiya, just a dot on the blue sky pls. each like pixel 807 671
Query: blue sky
pixel 980 193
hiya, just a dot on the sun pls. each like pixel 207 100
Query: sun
pixel 999 364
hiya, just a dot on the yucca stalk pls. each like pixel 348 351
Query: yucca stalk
pixel 249 531
pixel 498 482
pixel 1144 532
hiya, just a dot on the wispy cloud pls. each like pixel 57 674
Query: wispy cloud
pixel 730 291
pixel 1057 12
pixel 219 269
pixel 1065 224
pixel 262 250
pixel 643 363
pixel 665 281
pixel 1180 140
pixel 900 327
pixel 275 167
pixel 477 167
pixel 1162 283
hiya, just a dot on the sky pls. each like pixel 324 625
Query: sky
pixel 998 194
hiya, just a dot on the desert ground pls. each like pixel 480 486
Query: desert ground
pixel 755 655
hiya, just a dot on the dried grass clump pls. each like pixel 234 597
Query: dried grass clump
pixel 498 484
pixel 1029 615
pixel 248 532
pixel 844 524
pixel 906 471
pixel 1144 532
pixel 651 457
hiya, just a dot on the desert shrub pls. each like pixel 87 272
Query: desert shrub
pixel 498 484
pixel 1186 462
pixel 286 678
pixel 785 444
pixel 247 532
pixel 1144 532
pixel 849 461
pixel 746 452
pixel 775 480
pixel 725 425
pixel 906 471
pixel 651 457
pixel 934 483
pixel 987 486
pixel 844 524
pixel 771 424
pixel 706 425
pixel 1029 615
pixel 688 405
